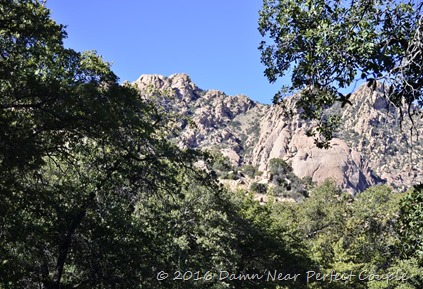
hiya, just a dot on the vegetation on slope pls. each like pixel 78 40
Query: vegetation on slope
pixel 94 195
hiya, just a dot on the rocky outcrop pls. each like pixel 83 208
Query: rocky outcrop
pixel 179 85
pixel 212 112
pixel 284 136
pixel 369 148
pixel 391 145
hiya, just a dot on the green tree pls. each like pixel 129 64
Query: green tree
pixel 279 167
pixel 411 223
pixel 258 188
pixel 350 234
pixel 285 182
pixel 249 170
pixel 78 153
pixel 264 244
pixel 329 45
pixel 94 195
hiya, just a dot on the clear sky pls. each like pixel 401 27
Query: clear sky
pixel 214 41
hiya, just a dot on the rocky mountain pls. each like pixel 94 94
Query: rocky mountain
pixel 393 147
pixel 370 147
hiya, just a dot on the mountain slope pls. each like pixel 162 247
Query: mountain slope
pixel 369 148
pixel 390 145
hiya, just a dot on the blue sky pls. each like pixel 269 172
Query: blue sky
pixel 214 41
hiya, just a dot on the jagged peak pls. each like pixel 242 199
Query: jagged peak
pixel 149 77
pixel 180 76
pixel 249 132
pixel 184 87
pixel 172 80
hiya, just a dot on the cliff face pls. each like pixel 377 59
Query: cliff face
pixel 393 147
pixel 285 138
pixel 369 148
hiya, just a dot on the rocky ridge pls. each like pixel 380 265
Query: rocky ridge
pixel 369 149
pixel 392 146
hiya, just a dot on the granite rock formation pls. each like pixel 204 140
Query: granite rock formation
pixel 369 148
